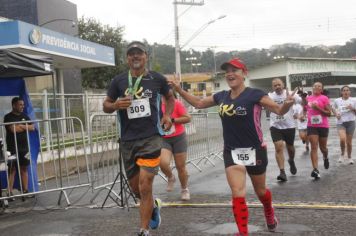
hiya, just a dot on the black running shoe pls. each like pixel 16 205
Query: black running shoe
pixel 11 198
pixel 293 168
pixel 315 174
pixel 282 176
pixel 326 163
pixel 273 227
pixel 30 195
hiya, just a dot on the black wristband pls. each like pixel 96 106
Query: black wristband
pixel 172 120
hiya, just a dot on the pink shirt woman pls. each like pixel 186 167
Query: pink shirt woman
pixel 315 117
pixel 179 110
pixel 175 143
pixel 318 110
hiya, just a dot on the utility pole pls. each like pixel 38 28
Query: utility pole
pixel 176 30
pixel 212 48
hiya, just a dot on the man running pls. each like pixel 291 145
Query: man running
pixel 135 95
pixel 282 130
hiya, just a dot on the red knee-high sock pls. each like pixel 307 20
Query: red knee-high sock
pixel 266 201
pixel 240 211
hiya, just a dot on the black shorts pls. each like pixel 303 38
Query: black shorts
pixel 261 161
pixel 147 148
pixel 24 159
pixel 287 135
pixel 320 131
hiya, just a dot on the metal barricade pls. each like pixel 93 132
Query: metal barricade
pixel 103 139
pixel 204 136
pixel 81 105
pixel 205 141
pixel 197 135
pixel 62 161
pixel 215 135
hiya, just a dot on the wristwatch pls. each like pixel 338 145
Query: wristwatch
pixel 172 120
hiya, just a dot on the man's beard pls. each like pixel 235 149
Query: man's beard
pixel 136 65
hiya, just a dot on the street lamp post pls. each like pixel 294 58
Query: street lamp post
pixel 178 48
pixel 214 59
pixel 191 59
pixel 54 20
pixel 63 25
pixel 176 30
pixel 278 57
pixel 203 27
pixel 196 66
pixel 332 53
pixel 214 63
pixel 60 72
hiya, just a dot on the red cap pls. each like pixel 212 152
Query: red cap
pixel 235 62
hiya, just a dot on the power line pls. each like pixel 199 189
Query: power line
pixel 306 31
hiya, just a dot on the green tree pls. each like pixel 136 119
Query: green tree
pixel 348 50
pixel 92 30
pixel 162 58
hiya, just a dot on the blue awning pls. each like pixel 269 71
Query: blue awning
pixel 65 50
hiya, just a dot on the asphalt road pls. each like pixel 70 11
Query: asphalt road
pixel 303 206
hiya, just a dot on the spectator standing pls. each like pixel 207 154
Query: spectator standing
pixel 17 144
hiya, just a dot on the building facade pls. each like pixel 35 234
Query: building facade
pixel 198 84
pixel 303 72
pixel 57 15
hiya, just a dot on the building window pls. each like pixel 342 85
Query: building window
pixel 201 87
pixel 217 85
pixel 186 86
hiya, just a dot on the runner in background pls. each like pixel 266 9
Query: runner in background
pixel 282 129
pixel 344 109
pixel 318 111
pixel 175 142
pixel 302 120
pixel 240 110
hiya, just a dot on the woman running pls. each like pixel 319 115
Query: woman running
pixel 244 149
pixel 175 142
pixel 318 111
pixel 302 121
pixel 344 109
